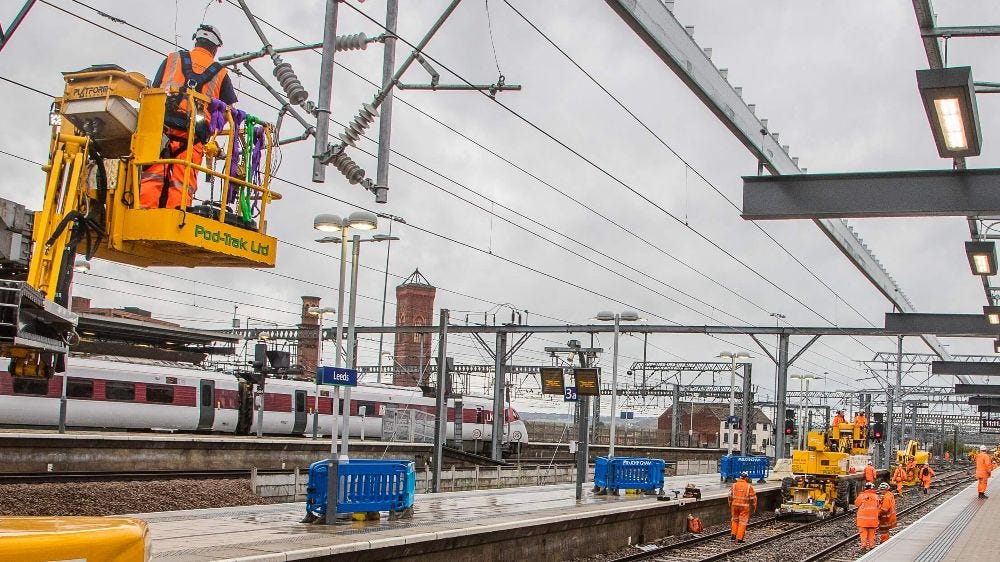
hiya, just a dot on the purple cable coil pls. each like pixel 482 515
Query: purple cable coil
pixel 217 115
pixel 235 150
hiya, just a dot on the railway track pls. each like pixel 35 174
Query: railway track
pixel 719 545
pixel 56 477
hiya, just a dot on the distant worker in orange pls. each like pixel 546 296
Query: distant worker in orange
pixel 162 185
pixel 868 504
pixel 870 472
pixel 886 512
pixel 947 456
pixel 839 418
pixel 694 524
pixel 899 476
pixel 926 473
pixel 742 500
pixel 860 420
pixel 984 469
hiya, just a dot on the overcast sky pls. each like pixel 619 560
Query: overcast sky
pixel 835 79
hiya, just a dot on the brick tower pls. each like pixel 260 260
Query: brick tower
pixel 414 307
pixel 307 344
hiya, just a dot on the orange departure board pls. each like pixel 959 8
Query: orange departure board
pixel 552 381
pixel 587 382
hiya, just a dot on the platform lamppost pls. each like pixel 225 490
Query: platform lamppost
pixel 319 311
pixel 734 358
pixel 605 316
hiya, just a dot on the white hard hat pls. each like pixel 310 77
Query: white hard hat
pixel 209 33
pixel 982 447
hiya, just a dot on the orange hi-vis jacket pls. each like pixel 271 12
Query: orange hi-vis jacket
pixel 838 419
pixel 887 511
pixel 869 473
pixel 899 475
pixel 926 472
pixel 984 465
pixel 868 509
pixel 860 420
pixel 742 494
pixel 201 60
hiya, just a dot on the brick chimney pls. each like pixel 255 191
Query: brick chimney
pixel 414 307
pixel 80 304
pixel 307 344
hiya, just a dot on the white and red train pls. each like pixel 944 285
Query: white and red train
pixel 144 395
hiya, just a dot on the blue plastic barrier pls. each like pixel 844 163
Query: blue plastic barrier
pixel 364 485
pixel 628 473
pixel 731 466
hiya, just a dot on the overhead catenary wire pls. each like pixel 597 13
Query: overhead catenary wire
pixel 116 33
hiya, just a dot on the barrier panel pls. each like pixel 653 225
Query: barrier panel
pixel 628 473
pixel 364 485
pixel 731 466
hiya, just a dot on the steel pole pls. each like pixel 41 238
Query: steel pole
pixel 385 289
pixel 732 405
pixel 614 390
pixel 385 119
pixel 332 487
pixel 781 392
pixel 440 402
pixel 319 361
pixel 583 437
pixel 498 410
pixel 63 404
pixel 352 358
pixel 325 95
pixel 675 418
pixel 747 414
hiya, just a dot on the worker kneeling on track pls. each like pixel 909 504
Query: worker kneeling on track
pixel 867 503
pixel 899 477
pixel 742 501
pixel 694 524
pixel 886 512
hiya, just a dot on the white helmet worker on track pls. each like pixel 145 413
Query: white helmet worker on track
pixel 208 33
pixel 982 448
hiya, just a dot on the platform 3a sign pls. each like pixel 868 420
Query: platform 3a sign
pixel 336 376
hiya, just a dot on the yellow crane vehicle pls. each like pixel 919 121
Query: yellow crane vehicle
pixel 912 460
pixel 821 478
pixel 108 134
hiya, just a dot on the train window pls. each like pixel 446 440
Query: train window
pixel 206 395
pixel 79 388
pixel 300 401
pixel 24 385
pixel 159 394
pixel 118 390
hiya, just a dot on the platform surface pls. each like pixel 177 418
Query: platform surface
pixel 273 532
pixel 961 529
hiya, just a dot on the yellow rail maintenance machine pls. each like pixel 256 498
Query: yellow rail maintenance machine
pixel 108 134
pixel 821 478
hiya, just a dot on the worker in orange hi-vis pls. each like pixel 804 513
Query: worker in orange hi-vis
pixel 868 504
pixel 694 524
pixel 742 500
pixel 839 418
pixel 870 472
pixel 926 473
pixel 899 476
pixel 947 456
pixel 984 469
pixel 886 512
pixel 860 420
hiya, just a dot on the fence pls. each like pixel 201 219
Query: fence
pixel 407 425
pixel 292 487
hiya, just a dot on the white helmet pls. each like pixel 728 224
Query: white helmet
pixel 209 33
pixel 982 448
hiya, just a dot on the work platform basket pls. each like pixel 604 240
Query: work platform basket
pixel 364 486
pixel 731 466
pixel 628 473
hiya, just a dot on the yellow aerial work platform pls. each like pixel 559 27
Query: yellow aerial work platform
pixel 38 539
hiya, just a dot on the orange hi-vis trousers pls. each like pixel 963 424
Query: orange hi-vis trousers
pixel 158 178
pixel 982 485
pixel 739 520
pixel 867 536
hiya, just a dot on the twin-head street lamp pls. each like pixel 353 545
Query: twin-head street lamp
pixel 949 98
pixel 605 316
pixel 319 311
pixel 734 358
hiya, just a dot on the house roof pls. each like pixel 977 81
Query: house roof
pixel 718 411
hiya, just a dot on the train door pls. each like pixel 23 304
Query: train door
pixel 299 426
pixel 245 420
pixel 206 405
